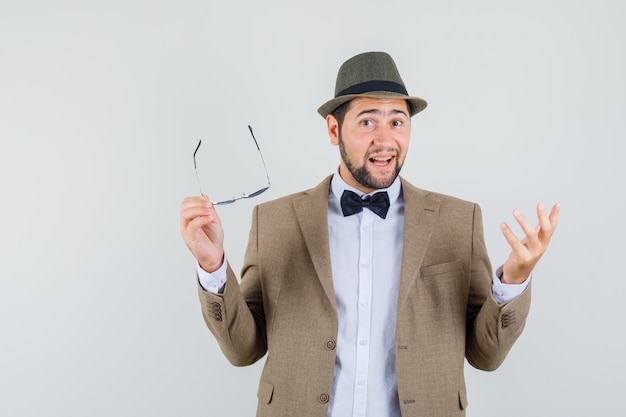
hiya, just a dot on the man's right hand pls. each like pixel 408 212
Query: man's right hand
pixel 202 231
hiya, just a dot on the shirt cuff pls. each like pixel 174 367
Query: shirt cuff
pixel 503 293
pixel 212 282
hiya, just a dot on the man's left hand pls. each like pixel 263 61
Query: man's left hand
pixel 526 252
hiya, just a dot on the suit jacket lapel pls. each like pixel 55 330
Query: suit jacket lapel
pixel 420 216
pixel 312 213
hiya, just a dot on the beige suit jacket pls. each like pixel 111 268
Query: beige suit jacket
pixel 285 305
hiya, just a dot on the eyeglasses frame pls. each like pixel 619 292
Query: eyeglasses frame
pixel 243 195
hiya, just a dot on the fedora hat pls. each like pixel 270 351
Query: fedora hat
pixel 370 74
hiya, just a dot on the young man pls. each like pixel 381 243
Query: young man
pixel 366 293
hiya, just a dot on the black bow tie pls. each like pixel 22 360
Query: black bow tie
pixel 351 203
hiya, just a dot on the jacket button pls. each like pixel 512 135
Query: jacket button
pixel 505 323
pixel 324 398
pixel 508 318
pixel 331 345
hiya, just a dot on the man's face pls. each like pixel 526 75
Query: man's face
pixel 373 141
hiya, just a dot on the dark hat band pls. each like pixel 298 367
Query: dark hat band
pixel 375 85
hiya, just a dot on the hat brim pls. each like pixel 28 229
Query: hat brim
pixel 416 104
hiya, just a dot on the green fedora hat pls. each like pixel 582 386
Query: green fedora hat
pixel 370 74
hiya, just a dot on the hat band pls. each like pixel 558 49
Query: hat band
pixel 376 85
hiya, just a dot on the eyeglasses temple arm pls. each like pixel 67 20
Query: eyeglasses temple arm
pixel 267 175
pixel 196 168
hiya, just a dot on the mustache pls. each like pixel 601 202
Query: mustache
pixel 375 151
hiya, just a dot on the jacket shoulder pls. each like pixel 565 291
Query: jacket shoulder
pixel 445 200
pixel 321 190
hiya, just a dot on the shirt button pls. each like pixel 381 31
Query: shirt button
pixel 364 266
pixel 366 228
pixel 364 304
pixel 499 293
pixel 331 344
pixel 324 398
pixel 361 382
pixel 363 343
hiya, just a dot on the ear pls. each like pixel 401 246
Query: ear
pixel 333 129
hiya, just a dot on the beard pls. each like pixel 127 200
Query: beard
pixel 362 174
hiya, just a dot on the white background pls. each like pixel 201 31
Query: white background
pixel 102 104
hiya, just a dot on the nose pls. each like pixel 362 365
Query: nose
pixel 383 135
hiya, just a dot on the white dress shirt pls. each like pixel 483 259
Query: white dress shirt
pixel 366 254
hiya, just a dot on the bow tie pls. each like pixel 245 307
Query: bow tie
pixel 351 203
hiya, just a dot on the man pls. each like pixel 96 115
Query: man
pixel 366 293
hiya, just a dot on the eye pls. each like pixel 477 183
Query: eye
pixel 398 123
pixel 367 123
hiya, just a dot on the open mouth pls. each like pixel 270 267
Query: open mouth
pixel 382 161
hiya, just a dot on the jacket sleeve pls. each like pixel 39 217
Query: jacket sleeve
pixel 492 329
pixel 236 317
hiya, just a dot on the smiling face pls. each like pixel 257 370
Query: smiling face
pixel 373 140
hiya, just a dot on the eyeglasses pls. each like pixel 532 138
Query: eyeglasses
pixel 242 195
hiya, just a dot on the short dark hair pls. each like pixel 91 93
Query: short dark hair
pixel 340 113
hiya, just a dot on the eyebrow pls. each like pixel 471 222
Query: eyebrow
pixel 380 112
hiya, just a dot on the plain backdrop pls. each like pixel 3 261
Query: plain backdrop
pixel 103 102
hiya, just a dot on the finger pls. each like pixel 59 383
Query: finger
pixel 196 227
pixel 208 217
pixel 554 214
pixel 201 234
pixel 194 211
pixel 515 244
pixel 545 226
pixel 193 207
pixel 529 230
pixel 190 213
pixel 547 222
pixel 195 202
pixel 190 228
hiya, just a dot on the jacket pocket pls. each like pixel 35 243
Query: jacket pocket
pixel 265 392
pixel 442 269
pixel 462 399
